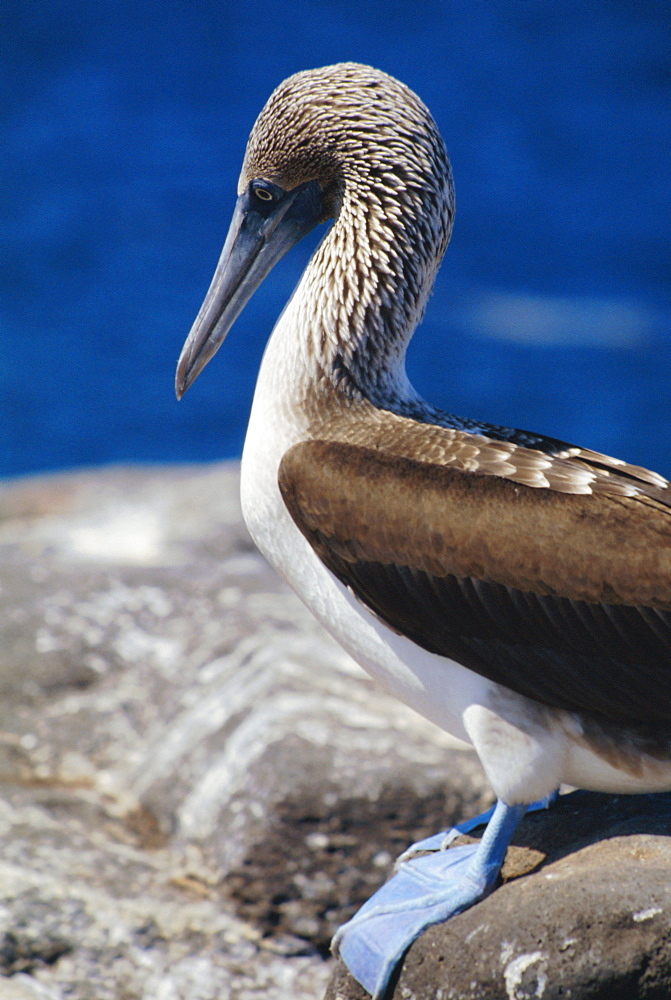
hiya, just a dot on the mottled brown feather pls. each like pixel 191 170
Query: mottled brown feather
pixel 379 506
pixel 541 463
pixel 562 597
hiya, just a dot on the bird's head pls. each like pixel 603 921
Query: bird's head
pixel 324 136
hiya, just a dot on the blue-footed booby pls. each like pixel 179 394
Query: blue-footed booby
pixel 512 588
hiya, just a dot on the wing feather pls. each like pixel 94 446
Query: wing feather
pixel 563 597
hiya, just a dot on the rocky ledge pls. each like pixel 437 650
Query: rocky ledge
pixel 198 786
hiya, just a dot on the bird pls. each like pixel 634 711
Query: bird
pixel 511 587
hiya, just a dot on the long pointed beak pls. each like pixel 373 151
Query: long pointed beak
pixel 260 234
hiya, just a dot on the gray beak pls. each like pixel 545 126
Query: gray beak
pixel 266 223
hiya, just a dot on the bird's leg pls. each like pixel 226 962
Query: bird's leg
pixel 425 890
pixel 440 841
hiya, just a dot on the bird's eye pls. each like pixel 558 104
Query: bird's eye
pixel 262 192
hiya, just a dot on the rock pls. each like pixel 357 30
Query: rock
pixel 196 785
pixel 584 912
pixel 22 987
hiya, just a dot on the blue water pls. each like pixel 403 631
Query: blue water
pixel 124 124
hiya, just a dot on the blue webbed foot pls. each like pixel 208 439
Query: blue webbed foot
pixel 425 890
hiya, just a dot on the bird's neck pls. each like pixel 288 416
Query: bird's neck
pixel 363 294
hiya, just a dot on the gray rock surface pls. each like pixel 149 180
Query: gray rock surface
pixel 197 785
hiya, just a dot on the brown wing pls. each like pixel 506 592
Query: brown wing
pixel 565 598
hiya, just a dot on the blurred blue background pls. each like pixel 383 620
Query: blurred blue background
pixel 124 127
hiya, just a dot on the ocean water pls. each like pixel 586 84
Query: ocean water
pixel 124 125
